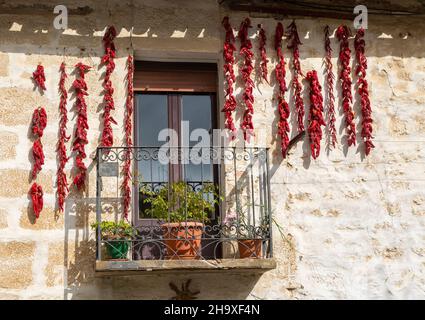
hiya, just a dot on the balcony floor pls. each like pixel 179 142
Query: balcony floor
pixel 143 267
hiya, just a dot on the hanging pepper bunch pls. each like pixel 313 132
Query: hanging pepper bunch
pixel 330 77
pixel 39 122
pixel 108 59
pixel 294 43
pixel 228 50
pixel 263 53
pixel 39 77
pixel 128 140
pixel 342 33
pixel 247 68
pixel 359 45
pixel 283 107
pixel 315 119
pixel 61 180
pixel 36 193
pixel 80 139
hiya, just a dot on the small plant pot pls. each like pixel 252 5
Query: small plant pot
pixel 183 240
pixel 250 248
pixel 117 249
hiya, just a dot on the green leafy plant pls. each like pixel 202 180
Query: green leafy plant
pixel 111 230
pixel 178 202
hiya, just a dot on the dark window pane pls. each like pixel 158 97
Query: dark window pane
pixel 196 109
pixel 152 116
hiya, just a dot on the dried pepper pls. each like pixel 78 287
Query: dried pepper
pixel 230 101
pixel 247 68
pixel 128 139
pixel 294 43
pixel 342 33
pixel 263 53
pixel 283 107
pixel 36 193
pixel 39 77
pixel 315 120
pixel 80 136
pixel 39 122
pixel 330 78
pixel 38 157
pixel 359 45
pixel 61 180
pixel 108 100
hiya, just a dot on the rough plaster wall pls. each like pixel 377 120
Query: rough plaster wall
pixel 351 227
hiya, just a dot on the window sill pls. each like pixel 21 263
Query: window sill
pixel 141 267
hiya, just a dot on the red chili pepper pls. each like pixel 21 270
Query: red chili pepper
pixel 39 77
pixel 316 114
pixel 230 101
pixel 330 77
pixel 294 43
pixel 283 107
pixel 359 45
pixel 38 156
pixel 108 99
pixel 61 180
pixel 263 53
pixel 39 121
pixel 80 136
pixel 36 193
pixel 128 139
pixel 247 68
pixel 342 33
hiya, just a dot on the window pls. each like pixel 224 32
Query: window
pixel 181 97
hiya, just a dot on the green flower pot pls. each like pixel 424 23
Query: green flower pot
pixel 117 249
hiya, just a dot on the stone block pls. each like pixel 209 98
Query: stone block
pixel 16 264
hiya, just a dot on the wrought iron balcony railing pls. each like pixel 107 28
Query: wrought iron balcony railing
pixel 187 203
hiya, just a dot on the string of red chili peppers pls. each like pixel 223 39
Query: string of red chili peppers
pixel 330 77
pixel 294 43
pixel 61 180
pixel 283 107
pixel 342 33
pixel 359 45
pixel 315 120
pixel 247 68
pixel 39 122
pixel 108 59
pixel 128 140
pixel 263 53
pixel 229 74
pixel 39 77
pixel 80 137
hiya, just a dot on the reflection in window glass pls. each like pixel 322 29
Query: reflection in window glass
pixel 152 117
pixel 196 109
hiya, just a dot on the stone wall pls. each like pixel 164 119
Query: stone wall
pixel 350 226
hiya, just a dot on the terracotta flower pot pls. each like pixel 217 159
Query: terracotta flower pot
pixel 183 240
pixel 250 248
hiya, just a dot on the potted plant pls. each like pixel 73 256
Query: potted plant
pixel 248 236
pixel 182 213
pixel 116 236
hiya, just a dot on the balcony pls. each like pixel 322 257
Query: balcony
pixel 192 208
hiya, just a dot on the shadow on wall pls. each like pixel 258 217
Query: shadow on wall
pixel 180 24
